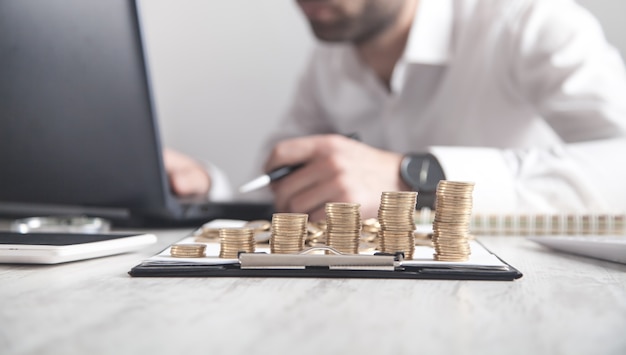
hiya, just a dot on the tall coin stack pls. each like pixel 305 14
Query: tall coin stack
pixel 343 226
pixel 453 210
pixel 395 215
pixel 235 240
pixel 288 232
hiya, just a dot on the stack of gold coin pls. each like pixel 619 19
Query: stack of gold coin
pixel 288 232
pixel 208 235
pixel 343 226
pixel 235 240
pixel 395 215
pixel 453 210
pixel 192 250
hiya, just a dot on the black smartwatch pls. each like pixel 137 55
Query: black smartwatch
pixel 422 173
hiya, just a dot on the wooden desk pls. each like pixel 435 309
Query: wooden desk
pixel 563 305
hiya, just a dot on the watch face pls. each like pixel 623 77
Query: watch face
pixel 423 173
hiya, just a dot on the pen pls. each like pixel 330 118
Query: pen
pixel 264 180
pixel 276 174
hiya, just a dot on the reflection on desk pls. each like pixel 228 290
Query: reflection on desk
pixel 563 305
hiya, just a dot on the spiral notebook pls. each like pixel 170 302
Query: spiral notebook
pixel 538 224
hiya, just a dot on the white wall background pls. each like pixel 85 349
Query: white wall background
pixel 223 71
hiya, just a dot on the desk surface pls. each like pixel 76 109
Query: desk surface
pixel 564 304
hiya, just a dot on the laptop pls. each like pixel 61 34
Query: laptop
pixel 78 132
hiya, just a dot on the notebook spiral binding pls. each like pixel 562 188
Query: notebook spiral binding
pixel 526 225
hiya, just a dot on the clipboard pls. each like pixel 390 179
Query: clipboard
pixel 338 265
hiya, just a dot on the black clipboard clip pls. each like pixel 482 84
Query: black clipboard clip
pixel 306 259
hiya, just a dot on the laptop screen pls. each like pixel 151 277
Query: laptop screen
pixel 76 119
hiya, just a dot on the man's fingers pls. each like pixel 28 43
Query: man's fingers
pixel 185 182
pixel 313 199
pixel 303 149
pixel 291 152
pixel 300 180
pixel 187 177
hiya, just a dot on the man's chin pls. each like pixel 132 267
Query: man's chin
pixel 329 39
pixel 329 34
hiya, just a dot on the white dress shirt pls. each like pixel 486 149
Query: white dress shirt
pixel 524 97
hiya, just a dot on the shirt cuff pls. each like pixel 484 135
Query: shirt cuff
pixel 490 169
pixel 221 189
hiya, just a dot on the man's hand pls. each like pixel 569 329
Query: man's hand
pixel 336 169
pixel 187 177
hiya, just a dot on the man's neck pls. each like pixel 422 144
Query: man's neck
pixel 382 52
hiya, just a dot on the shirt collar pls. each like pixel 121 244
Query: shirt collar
pixel 430 39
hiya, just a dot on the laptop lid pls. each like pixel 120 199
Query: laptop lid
pixel 77 125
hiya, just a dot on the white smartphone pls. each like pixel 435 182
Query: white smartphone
pixel 55 248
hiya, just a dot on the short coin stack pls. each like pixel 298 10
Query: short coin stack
pixel 453 210
pixel 395 215
pixel 235 240
pixel 192 250
pixel 343 226
pixel 288 232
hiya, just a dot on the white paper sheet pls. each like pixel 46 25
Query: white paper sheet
pixel 480 257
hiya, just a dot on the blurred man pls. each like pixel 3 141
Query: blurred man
pixel 523 97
